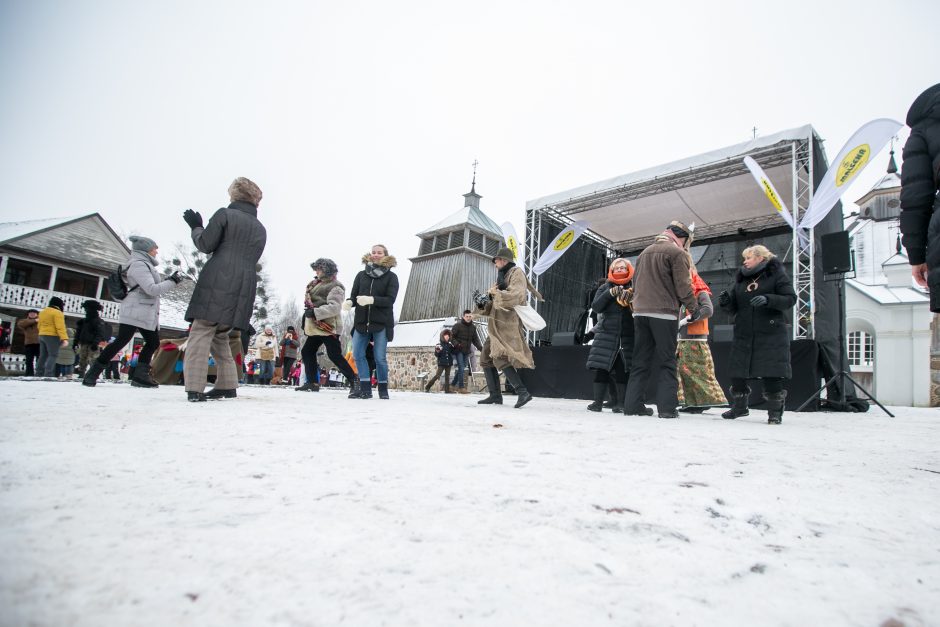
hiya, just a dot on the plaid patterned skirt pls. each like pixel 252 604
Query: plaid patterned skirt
pixel 698 386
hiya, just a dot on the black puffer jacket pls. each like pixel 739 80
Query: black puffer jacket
pixel 225 291
pixel 613 333
pixel 761 346
pixel 920 179
pixel 379 282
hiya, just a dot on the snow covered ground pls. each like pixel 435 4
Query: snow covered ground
pixel 123 506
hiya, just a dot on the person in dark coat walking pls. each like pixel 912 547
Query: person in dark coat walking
pixel 30 328
pixel 611 354
pixel 373 294
pixel 91 335
pixel 761 294
pixel 224 297
pixel 464 337
pixel 920 204
pixel 444 352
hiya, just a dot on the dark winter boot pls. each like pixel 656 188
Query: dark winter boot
pixel 353 389
pixel 738 404
pixel 492 386
pixel 775 402
pixel 216 393
pixel 383 390
pixel 195 397
pixel 612 392
pixel 600 391
pixel 307 387
pixel 522 394
pixel 620 395
pixel 365 390
pixel 447 388
pixel 427 388
pixel 91 377
pixel 142 378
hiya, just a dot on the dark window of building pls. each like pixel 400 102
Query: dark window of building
pixel 456 239
pixel 440 243
pixel 492 246
pixel 427 244
pixel 27 274
pixel 76 283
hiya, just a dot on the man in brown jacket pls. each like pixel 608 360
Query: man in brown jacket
pixel 30 328
pixel 662 283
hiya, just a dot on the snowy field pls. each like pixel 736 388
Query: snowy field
pixel 123 506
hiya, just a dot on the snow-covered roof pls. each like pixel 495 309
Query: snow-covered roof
pixel 884 295
pixel 468 215
pixel 14 230
pixel 420 332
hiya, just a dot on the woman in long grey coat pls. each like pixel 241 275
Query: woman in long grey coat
pixel 140 311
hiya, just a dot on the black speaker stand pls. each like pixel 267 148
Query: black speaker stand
pixel 842 375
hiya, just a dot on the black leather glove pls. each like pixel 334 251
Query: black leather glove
pixel 724 299
pixel 176 277
pixel 193 219
pixel 310 313
pixel 759 301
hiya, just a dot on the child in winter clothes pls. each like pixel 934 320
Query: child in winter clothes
pixel 65 362
pixel 445 359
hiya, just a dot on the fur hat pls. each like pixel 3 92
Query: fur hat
pixel 92 305
pixel 244 190
pixel 504 253
pixel 57 302
pixel 145 244
pixel 328 266
pixel 680 230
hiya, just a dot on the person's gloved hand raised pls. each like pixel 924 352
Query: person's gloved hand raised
pixel 724 299
pixel 347 305
pixel 759 301
pixel 176 277
pixel 192 218
pixel 364 301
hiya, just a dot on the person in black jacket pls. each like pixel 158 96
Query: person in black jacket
pixel 611 354
pixel 920 204
pixel 224 297
pixel 465 338
pixel 91 335
pixel 373 294
pixel 761 293
pixel 444 352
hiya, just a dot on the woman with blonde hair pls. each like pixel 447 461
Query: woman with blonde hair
pixel 761 294
pixel 611 354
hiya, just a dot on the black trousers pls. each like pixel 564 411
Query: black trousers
pixel 125 335
pixel 31 352
pixel 654 338
pixel 771 384
pixel 309 355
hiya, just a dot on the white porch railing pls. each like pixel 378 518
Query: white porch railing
pixel 35 298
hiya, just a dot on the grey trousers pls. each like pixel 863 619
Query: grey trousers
pixel 48 353
pixel 204 338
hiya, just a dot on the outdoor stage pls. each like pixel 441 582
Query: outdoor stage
pixel 716 192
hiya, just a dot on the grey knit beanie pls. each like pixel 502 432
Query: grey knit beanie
pixel 139 242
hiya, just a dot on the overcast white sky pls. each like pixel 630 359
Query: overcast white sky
pixel 360 120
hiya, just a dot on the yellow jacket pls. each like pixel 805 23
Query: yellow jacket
pixel 52 322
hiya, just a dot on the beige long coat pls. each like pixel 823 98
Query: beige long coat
pixel 506 344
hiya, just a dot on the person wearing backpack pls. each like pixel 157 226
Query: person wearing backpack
pixel 140 312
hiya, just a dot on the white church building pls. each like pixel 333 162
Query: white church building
pixel 887 315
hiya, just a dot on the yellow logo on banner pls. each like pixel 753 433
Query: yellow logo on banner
pixel 771 196
pixel 854 161
pixel 564 240
pixel 513 246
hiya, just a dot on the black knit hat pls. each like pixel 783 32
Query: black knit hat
pixel 92 305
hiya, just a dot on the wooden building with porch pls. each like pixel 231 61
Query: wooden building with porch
pixel 69 258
